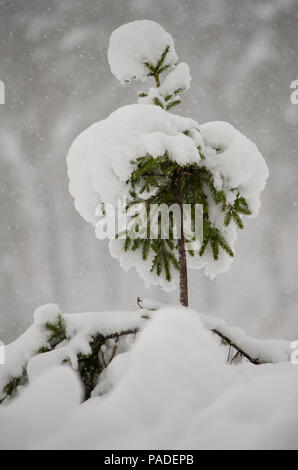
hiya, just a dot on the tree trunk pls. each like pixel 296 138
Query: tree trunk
pixel 183 282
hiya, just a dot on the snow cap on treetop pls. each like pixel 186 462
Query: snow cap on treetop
pixel 46 313
pixel 135 44
pixel 232 172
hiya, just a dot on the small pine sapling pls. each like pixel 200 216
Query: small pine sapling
pixel 156 158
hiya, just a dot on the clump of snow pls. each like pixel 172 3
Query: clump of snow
pixel 265 350
pixel 238 169
pixel 80 328
pixel 99 160
pixel 136 43
pixel 79 344
pixel 46 313
pixel 112 375
pixel 236 161
pixel 173 390
pixel 41 410
pixel 18 354
pixel 177 79
pixel 106 323
pixel 22 354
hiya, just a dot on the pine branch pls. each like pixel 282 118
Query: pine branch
pixel 162 59
pixel 132 331
pixel 239 350
pixel 157 102
pixel 57 330
pixel 172 104
pixel 227 342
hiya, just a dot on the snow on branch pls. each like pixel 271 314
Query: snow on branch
pixel 89 342
pixel 137 47
pixel 86 341
pixel 254 350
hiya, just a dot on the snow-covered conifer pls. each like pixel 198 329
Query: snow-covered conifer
pixel 154 157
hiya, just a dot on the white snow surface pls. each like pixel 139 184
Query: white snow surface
pixel 42 410
pixel 133 44
pixel 173 390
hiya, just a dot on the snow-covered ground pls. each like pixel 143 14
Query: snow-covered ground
pixel 173 389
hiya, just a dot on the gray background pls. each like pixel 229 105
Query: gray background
pixel 243 57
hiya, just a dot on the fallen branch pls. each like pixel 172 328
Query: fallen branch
pixel 254 350
pixel 121 333
pixel 230 343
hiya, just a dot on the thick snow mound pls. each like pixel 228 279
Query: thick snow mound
pixel 258 412
pixel 174 389
pixel 41 410
pixel 136 43
pixel 99 160
pixel 174 368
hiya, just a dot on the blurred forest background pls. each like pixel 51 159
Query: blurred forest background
pixel 53 60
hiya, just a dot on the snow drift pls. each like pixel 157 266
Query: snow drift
pixel 174 389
